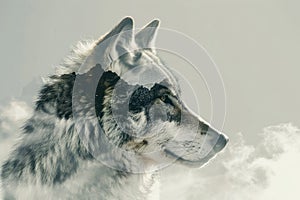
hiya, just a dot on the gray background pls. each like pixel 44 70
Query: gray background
pixel 255 44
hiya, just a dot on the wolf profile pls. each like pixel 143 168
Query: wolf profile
pixel 100 129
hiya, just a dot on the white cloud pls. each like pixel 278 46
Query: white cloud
pixel 12 117
pixel 268 170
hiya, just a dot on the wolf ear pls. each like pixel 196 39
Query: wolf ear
pixel 119 40
pixel 110 47
pixel 145 38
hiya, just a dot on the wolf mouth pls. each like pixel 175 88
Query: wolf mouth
pixel 191 163
pixel 219 146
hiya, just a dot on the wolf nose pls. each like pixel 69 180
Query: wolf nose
pixel 221 143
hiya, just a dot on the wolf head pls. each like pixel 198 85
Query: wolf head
pixel 137 102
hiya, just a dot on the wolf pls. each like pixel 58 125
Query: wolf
pixel 100 130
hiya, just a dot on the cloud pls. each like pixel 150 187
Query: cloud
pixel 268 170
pixel 12 117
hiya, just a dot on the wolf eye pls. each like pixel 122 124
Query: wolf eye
pixel 164 98
pixel 137 56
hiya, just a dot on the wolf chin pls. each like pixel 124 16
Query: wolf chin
pixel 63 154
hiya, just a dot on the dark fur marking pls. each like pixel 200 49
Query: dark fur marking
pixel 203 127
pixel 109 80
pixel 58 95
pixel 139 99
pixel 28 128
pixel 143 98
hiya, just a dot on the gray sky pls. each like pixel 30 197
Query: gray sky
pixel 255 44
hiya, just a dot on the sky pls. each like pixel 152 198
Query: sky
pixel 254 43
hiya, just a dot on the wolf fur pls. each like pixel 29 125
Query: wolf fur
pixel 56 157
